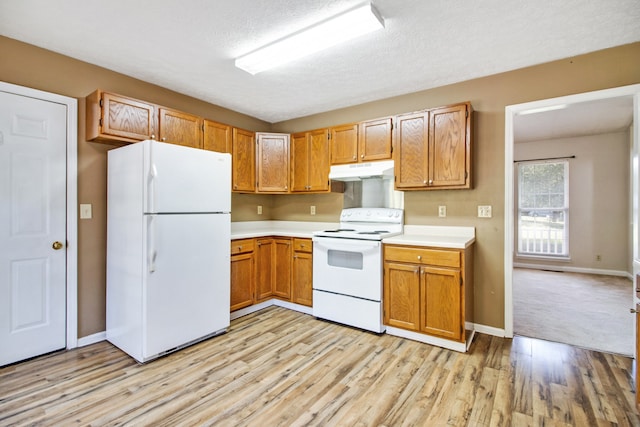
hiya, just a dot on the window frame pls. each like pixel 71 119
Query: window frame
pixel 565 255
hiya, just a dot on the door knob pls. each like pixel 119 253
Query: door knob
pixel 632 310
pixel 57 245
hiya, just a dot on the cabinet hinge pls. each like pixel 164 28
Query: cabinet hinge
pixel 466 174
pixel 101 102
pixel 461 281
pixel 466 113
pixel 328 135
pixel 203 127
pixel 100 122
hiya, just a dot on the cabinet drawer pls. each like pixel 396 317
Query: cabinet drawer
pixel 242 246
pixel 302 245
pixel 441 257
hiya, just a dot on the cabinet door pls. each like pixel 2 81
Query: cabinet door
pixel 344 144
pixel 375 140
pixel 217 137
pixel 242 280
pixel 180 128
pixel 282 265
pixel 299 162
pixel 319 160
pixel 265 271
pixel 302 281
pixel 124 118
pixel 243 160
pixel 402 296
pixel 441 299
pixel 411 152
pixel 449 148
pixel 273 162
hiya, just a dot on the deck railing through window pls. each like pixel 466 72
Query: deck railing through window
pixel 542 232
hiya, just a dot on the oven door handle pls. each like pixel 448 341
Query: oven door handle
pixel 342 244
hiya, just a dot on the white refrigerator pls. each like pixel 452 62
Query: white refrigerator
pixel 168 247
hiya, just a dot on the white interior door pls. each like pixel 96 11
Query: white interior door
pixel 33 139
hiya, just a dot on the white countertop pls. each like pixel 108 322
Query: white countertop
pixel 416 235
pixel 249 229
pixel 438 236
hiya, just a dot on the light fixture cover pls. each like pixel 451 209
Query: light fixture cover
pixel 353 23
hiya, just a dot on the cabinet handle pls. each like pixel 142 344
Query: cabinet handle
pixel 419 257
pixel 164 139
pixel 362 156
pixel 424 182
pixel 240 247
pixel 153 136
pixel 354 157
pixel 430 182
pixel 631 310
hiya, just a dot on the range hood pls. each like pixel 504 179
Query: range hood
pixel 357 171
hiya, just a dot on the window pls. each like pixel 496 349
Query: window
pixel 543 208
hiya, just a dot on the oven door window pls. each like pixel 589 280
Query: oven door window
pixel 345 259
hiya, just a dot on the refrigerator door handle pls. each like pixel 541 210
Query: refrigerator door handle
pixel 151 188
pixel 151 244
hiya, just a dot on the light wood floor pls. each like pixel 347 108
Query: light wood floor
pixel 280 367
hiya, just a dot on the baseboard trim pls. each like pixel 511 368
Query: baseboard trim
pixel 489 330
pixel 92 339
pixel 567 269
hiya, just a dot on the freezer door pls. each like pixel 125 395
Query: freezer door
pixel 181 179
pixel 187 288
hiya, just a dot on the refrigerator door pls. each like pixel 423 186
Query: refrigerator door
pixel 186 293
pixel 181 179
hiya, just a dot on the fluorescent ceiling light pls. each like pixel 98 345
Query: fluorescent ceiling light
pixel 346 26
pixel 543 109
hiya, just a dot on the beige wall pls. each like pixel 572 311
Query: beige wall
pixel 26 65
pixel 37 68
pixel 599 203
pixel 489 96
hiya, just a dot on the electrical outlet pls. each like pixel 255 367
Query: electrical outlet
pixel 442 211
pixel 484 211
pixel 313 210
pixel 259 210
pixel 85 211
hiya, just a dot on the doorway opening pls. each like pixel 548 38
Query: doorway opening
pixel 573 114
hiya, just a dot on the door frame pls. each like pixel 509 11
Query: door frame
pixel 72 201
pixel 509 218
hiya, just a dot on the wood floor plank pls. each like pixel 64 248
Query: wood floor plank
pixel 278 367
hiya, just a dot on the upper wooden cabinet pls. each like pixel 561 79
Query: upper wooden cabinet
pixel 433 149
pixel 217 137
pixel 310 161
pixel 361 142
pixel 344 144
pixel 179 128
pixel 374 141
pixel 116 118
pixel 273 162
pixel 243 160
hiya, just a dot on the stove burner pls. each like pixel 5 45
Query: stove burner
pixel 339 230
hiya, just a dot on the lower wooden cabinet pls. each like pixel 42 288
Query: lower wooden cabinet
pixel 428 290
pixel 269 267
pixel 242 273
pixel 302 272
pixel 264 268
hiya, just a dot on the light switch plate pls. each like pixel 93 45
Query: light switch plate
pixel 484 211
pixel 85 211
pixel 313 210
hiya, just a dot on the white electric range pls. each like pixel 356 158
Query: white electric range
pixel 347 267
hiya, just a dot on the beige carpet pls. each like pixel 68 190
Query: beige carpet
pixel 585 310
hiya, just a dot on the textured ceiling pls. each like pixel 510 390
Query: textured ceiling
pixel 189 46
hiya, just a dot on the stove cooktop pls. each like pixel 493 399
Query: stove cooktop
pixel 366 224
